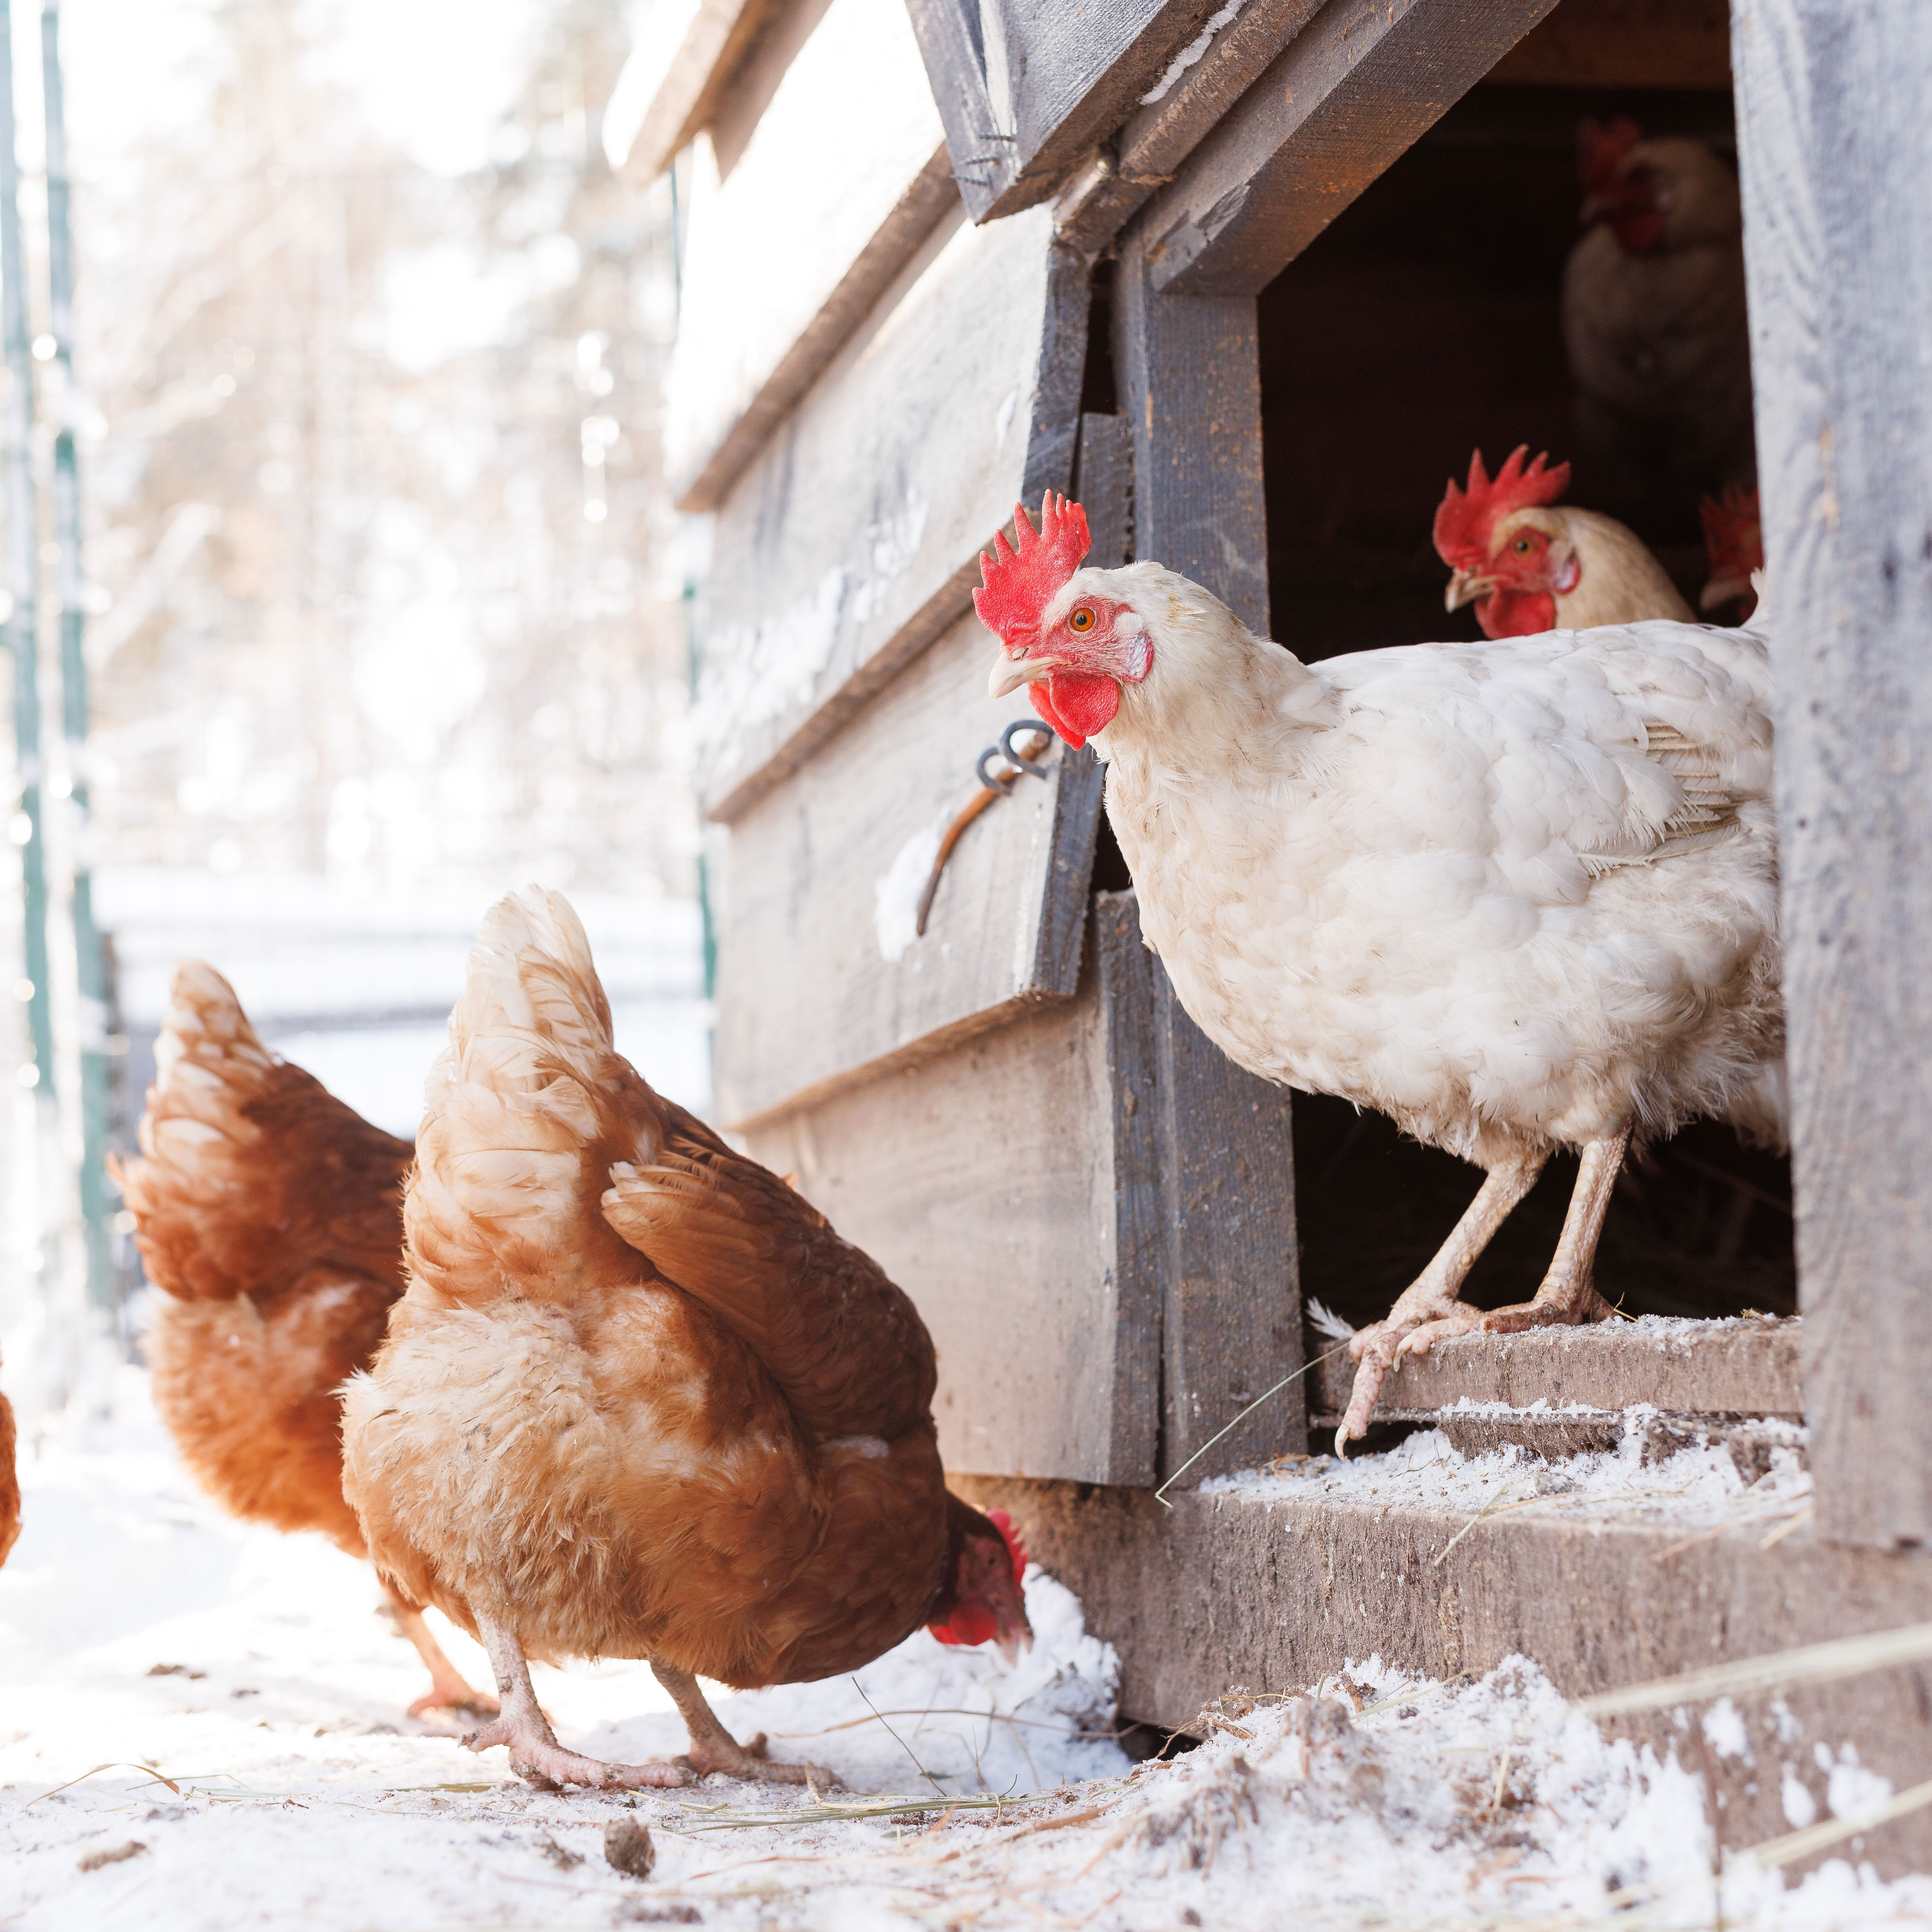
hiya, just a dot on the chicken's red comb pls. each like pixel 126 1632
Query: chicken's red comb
pixel 1733 533
pixel 1003 1522
pixel 1020 583
pixel 1464 519
pixel 1602 148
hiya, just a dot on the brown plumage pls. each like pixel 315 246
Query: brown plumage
pixel 640 1400
pixel 10 1482
pixel 271 1215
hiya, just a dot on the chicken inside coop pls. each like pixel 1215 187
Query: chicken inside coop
pixel 1464 303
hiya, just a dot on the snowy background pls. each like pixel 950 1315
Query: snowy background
pixel 385 610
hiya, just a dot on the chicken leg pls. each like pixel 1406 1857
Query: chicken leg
pixel 535 1753
pixel 1433 1298
pixel 448 1690
pixel 713 1748
pixel 1430 1309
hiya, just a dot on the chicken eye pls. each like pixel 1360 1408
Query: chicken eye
pixel 1081 620
pixel 1523 546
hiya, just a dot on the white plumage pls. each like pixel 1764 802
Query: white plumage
pixel 1520 895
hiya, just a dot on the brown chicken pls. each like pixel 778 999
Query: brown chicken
pixel 271 1215
pixel 10 1482
pixel 1654 322
pixel 640 1400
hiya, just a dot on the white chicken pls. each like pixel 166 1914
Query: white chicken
pixel 1519 896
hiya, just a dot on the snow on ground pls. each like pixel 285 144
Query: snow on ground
pixel 1697 1487
pixel 145 1638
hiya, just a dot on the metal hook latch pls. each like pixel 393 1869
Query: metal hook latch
pixel 1022 762
pixel 1040 729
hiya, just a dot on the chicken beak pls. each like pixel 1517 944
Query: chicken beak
pixel 1465 588
pixel 1010 673
pixel 1015 1635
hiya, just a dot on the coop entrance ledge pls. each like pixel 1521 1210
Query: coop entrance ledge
pixel 1559 1390
pixel 1274 1593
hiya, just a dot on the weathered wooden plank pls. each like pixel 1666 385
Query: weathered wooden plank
pixel 1275 1595
pixel 1349 94
pixel 850 543
pixel 672 82
pixel 1205 1172
pixel 1836 155
pixel 1106 489
pixel 1231 1315
pixel 1166 128
pixel 1747 1367
pixel 1624 43
pixel 984 1182
pixel 821 212
pixel 824 873
pixel 1027 91
pixel 1190 387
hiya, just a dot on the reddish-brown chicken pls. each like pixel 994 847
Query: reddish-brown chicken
pixel 1530 564
pixel 10 1482
pixel 271 1215
pixel 639 1400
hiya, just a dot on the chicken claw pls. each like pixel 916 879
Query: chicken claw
pixel 1430 1311
pixel 713 1748
pixel 536 1756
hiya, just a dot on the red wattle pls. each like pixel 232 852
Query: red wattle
pixel 1516 614
pixel 1043 704
pixel 1087 704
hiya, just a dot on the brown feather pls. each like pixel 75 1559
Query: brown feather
pixel 10 1482
pixel 270 1213
pixel 644 1450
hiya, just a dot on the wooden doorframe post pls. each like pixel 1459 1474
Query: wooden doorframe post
pixel 1835 153
pixel 1187 372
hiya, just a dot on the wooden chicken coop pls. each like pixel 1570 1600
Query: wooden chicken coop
pixel 1252 280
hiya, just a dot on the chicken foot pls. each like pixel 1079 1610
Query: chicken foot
pixel 1433 1298
pixel 1566 1294
pixel 448 1690
pixel 536 1756
pixel 713 1748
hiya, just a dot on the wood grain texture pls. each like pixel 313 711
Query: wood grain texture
pixel 1027 91
pixel 1624 43
pixel 983 1182
pixel 782 261
pixel 1159 135
pixel 1275 1595
pixel 1714 1368
pixel 1190 389
pixel 1104 486
pixel 807 866
pixel 1231 1308
pixel 1350 93
pixel 714 37
pixel 849 545
pixel 1204 1177
pixel 1835 149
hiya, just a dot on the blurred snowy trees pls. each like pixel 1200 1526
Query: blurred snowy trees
pixel 386 572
